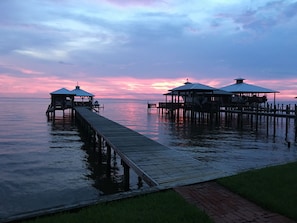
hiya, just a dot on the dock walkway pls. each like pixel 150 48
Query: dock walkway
pixel 156 164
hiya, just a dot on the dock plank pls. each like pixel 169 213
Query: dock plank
pixel 158 165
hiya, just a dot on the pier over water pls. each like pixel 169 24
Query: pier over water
pixel 154 163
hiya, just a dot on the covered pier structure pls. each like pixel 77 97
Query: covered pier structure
pixel 194 98
pixel 198 98
pixel 61 99
pixel 205 103
pixel 247 95
pixel 82 97
pixel 64 99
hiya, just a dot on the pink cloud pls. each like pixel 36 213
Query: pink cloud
pixel 124 87
pixel 30 72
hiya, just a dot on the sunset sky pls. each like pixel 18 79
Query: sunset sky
pixel 142 48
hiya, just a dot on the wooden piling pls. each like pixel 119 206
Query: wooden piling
pixel 126 176
pixel 274 121
pixel 108 159
pixel 295 123
pixel 99 148
pixel 287 121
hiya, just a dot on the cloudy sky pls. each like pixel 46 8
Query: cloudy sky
pixel 142 48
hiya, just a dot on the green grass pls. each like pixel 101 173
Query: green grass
pixel 160 207
pixel 274 188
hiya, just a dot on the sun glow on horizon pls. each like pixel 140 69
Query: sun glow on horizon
pixel 122 87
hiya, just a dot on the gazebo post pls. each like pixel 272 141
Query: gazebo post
pixel 178 104
pixel 274 98
pixel 171 105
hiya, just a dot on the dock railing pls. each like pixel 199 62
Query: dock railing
pixel 278 110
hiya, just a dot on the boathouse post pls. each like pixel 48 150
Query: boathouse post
pixel 252 120
pixel 287 120
pixel 274 120
pixel 240 117
pixel 178 95
pixel 171 111
pixel 192 106
pixel 267 122
pixel 295 122
pixel 257 116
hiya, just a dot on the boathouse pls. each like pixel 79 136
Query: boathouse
pixel 60 100
pixel 64 99
pixel 198 98
pixel 194 97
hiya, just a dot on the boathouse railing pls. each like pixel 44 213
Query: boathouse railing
pixel 280 110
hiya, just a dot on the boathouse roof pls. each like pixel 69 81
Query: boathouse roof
pixel 241 87
pixel 219 92
pixel 213 92
pixel 188 86
pixel 62 91
pixel 82 93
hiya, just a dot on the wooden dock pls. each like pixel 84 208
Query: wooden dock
pixel 156 164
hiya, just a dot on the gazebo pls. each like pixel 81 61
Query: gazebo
pixel 191 92
pixel 82 97
pixel 199 94
pixel 63 99
pixel 60 100
pixel 248 93
pixel 195 97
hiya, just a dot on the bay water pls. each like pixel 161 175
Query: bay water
pixel 46 165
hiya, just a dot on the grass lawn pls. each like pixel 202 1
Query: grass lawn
pixel 160 207
pixel 274 188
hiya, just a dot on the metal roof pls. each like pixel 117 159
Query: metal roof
pixel 79 92
pixel 188 86
pixel 219 92
pixel 241 87
pixel 62 91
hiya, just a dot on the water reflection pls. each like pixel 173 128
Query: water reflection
pixel 108 179
pixel 47 164
pixel 233 144
pixel 105 168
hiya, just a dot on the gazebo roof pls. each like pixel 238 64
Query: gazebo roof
pixel 79 92
pixel 219 92
pixel 188 86
pixel 62 91
pixel 241 87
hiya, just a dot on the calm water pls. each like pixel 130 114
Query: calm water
pixel 45 165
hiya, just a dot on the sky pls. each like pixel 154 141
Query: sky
pixel 142 48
